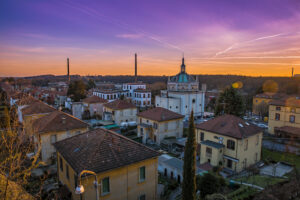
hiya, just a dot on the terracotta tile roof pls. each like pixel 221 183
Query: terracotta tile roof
pixel 26 100
pixel 270 95
pixel 37 107
pixel 119 105
pixel 160 114
pixel 288 101
pixel 101 150
pixel 229 125
pixel 289 129
pixel 57 121
pixel 94 99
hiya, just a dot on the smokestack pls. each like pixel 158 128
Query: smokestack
pixel 68 68
pixel 292 71
pixel 135 63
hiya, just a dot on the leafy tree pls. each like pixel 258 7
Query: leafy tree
pixel 189 166
pixel 77 90
pixel 91 84
pixel 292 88
pixel 210 184
pixel 230 102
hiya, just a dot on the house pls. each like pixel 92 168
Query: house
pixel 125 169
pixel 230 142
pixel 172 168
pixel 94 105
pixel 183 94
pixel 159 123
pixel 119 111
pixel 261 101
pixel 284 117
pixel 54 127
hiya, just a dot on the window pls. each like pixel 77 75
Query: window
pixel 277 116
pixel 256 157
pixel 166 126
pixel 278 108
pixel 105 186
pixel 155 125
pixel 201 136
pixel 230 144
pixel 75 180
pixel 53 139
pixel 246 145
pixel 208 151
pixel 142 197
pixel 67 172
pixel 257 139
pixel 293 110
pixel 61 164
pixel 177 124
pixel 142 174
pixel 229 164
pixel 193 100
pixel 142 131
pixel 292 118
pixel 245 163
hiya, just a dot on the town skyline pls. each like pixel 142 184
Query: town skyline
pixel 101 38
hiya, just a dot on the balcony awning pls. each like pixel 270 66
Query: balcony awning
pixel 231 158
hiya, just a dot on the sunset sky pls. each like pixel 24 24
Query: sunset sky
pixel 245 37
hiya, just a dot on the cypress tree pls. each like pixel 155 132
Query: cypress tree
pixel 189 166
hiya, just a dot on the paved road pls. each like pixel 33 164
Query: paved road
pixel 280 147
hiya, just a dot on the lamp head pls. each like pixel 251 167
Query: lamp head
pixel 79 189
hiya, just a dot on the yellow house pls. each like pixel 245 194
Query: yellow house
pixel 94 104
pixel 119 111
pixel 124 168
pixel 230 142
pixel 262 100
pixel 54 127
pixel 284 116
pixel 159 123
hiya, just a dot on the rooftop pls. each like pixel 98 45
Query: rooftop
pixel 229 125
pixel 159 114
pixel 289 130
pixel 119 105
pixel 57 121
pixel 288 101
pixel 94 99
pixel 101 150
pixel 37 107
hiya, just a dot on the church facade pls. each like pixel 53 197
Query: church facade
pixel 183 94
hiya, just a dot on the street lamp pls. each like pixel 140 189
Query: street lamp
pixel 80 189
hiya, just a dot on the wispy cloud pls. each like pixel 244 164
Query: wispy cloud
pixel 138 32
pixel 237 45
pixel 130 36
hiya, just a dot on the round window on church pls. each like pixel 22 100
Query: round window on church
pixel 193 100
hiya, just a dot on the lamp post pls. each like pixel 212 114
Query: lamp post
pixel 80 189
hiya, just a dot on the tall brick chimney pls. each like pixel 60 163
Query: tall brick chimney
pixel 68 68
pixel 135 63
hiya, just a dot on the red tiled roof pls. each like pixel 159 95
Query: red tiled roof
pixel 119 105
pixel 37 107
pixel 94 99
pixel 229 125
pixel 57 121
pixel 159 114
pixel 289 129
pixel 288 101
pixel 102 150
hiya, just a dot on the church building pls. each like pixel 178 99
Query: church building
pixel 183 94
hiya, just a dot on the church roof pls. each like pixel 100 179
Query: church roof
pixel 182 77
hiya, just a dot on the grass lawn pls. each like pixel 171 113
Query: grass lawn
pixel 281 156
pixel 260 180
